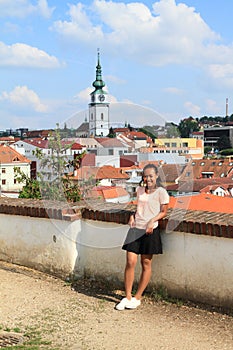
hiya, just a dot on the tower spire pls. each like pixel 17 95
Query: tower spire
pixel 98 83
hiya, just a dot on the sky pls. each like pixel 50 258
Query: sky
pixel 162 61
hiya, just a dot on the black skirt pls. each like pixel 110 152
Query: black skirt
pixel 138 242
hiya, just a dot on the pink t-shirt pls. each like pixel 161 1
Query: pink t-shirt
pixel 148 205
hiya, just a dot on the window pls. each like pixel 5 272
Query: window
pixel 220 163
pixel 188 174
pixel 222 175
pixel 202 163
pixel 3 170
pixel 3 182
pixel 15 181
pixel 193 163
pixel 110 152
pixel 102 116
pixel 91 116
pixel 173 144
pixel 167 144
pixel 185 144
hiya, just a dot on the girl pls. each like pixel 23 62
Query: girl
pixel 143 236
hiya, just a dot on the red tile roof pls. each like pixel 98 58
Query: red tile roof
pixel 39 143
pixel 196 168
pixel 76 146
pixel 9 155
pixel 199 184
pixel 137 135
pixel 88 159
pixel 107 192
pixel 100 173
pixel 109 142
pixel 203 202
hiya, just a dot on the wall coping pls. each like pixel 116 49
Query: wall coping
pixel 190 221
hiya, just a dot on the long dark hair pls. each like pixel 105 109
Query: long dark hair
pixel 151 166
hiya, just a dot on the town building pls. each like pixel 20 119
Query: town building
pixel 9 161
pixel 191 148
pixel 212 135
pixel 99 106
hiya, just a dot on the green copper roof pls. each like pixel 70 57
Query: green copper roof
pixel 98 83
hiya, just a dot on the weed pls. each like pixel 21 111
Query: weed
pixel 160 293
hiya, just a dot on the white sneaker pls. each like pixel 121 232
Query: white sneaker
pixel 133 303
pixel 123 304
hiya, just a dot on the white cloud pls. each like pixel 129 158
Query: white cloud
pixel 83 96
pixel 23 97
pixel 22 55
pixel 169 33
pixel 24 8
pixel 44 9
pixel 221 74
pixel 192 109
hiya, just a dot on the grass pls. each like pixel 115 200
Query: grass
pixel 160 293
pixel 32 340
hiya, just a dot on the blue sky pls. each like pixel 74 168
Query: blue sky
pixel 161 60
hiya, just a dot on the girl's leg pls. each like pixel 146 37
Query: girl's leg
pixel 131 261
pixel 146 262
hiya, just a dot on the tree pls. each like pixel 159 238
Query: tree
pixel 223 143
pixel 172 131
pixel 53 182
pixel 187 126
pixel 207 149
pixel 111 134
pixel 227 152
pixel 147 132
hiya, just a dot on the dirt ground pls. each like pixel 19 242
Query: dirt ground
pixel 83 317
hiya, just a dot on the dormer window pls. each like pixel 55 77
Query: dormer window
pixel 220 163
pixel 202 163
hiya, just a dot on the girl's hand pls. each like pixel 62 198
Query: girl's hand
pixel 131 221
pixel 150 227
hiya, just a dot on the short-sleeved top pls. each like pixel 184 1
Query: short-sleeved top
pixel 148 205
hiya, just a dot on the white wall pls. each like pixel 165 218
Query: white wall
pixel 196 267
pixel 44 244
pixel 9 175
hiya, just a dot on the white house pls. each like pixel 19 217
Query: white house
pixel 9 160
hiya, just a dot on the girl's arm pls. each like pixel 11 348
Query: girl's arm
pixel 161 215
pixel 132 220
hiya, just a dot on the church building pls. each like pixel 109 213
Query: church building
pixel 98 107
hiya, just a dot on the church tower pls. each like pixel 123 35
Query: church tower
pixel 98 107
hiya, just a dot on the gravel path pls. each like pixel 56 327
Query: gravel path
pixel 84 318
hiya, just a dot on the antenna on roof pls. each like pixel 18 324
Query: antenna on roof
pixel 226 107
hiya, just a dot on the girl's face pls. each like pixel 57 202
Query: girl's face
pixel 150 177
